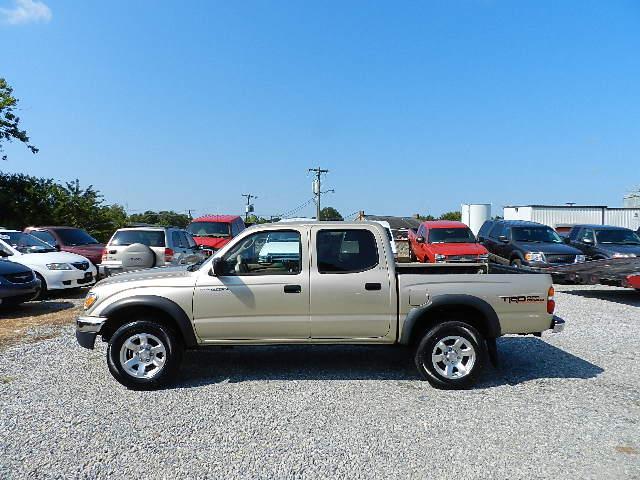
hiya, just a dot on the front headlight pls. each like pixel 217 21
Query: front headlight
pixel 580 258
pixel 623 255
pixel 534 257
pixel 90 300
pixel 58 266
pixel 440 258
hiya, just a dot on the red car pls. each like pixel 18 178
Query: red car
pixel 70 239
pixel 445 241
pixel 215 231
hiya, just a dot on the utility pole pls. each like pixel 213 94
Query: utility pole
pixel 316 188
pixel 249 208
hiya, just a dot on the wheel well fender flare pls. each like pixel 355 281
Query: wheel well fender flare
pixel 491 321
pixel 172 309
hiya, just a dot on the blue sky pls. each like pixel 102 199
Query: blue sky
pixel 413 106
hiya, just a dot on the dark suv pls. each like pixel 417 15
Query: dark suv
pixel 603 241
pixel 518 243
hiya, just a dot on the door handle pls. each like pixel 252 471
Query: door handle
pixel 372 286
pixel 292 289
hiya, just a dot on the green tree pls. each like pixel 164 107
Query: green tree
pixel 9 121
pixel 167 218
pixel 330 213
pixel 455 216
pixel 425 218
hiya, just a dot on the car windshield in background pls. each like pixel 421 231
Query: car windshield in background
pixel 535 234
pixel 75 236
pixel 209 229
pixel 283 237
pixel 150 238
pixel 451 235
pixel 25 243
pixel 622 237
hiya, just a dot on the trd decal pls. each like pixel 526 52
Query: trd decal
pixel 524 299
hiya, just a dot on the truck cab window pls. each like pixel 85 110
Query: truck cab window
pixel 274 252
pixel 346 251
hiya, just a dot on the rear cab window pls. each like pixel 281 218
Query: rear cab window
pixel 150 238
pixel 346 250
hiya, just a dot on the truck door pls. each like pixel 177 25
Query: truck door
pixel 262 293
pixel 350 285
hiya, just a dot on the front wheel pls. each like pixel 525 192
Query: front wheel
pixel 144 355
pixel 516 262
pixel 450 355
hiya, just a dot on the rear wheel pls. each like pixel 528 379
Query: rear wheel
pixel 450 355
pixel 144 355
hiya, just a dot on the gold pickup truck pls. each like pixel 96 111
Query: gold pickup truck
pixel 314 283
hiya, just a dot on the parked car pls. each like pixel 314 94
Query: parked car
pixel 343 287
pixel 445 241
pixel 135 248
pixel 518 243
pixel 55 270
pixel 214 231
pixel 602 241
pixel 279 248
pixel 18 283
pixel 70 239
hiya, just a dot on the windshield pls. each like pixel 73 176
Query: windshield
pixel 451 235
pixel 535 234
pixel 209 229
pixel 150 238
pixel 75 236
pixel 25 243
pixel 622 237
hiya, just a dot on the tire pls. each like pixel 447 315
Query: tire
pixel 444 369
pixel 516 262
pixel 124 348
pixel 42 293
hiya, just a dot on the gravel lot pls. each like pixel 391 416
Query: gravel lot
pixel 564 405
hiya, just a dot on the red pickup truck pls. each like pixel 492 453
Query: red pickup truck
pixel 214 231
pixel 445 241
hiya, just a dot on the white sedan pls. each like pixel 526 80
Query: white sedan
pixel 56 270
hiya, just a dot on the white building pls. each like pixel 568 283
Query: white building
pixel 567 215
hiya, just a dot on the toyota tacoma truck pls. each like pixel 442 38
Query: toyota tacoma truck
pixel 337 284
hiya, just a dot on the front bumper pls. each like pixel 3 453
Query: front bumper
pixel 557 324
pixel 62 279
pixel 87 328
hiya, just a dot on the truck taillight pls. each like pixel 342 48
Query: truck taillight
pixel 551 302
pixel 104 254
pixel 168 255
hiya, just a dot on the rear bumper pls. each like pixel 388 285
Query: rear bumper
pixel 557 324
pixel 87 328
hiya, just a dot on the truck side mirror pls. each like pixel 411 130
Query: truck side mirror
pixel 587 240
pixel 503 239
pixel 420 239
pixel 217 267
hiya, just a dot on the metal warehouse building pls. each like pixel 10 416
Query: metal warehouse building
pixel 565 215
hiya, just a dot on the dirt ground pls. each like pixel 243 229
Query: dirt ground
pixel 33 321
